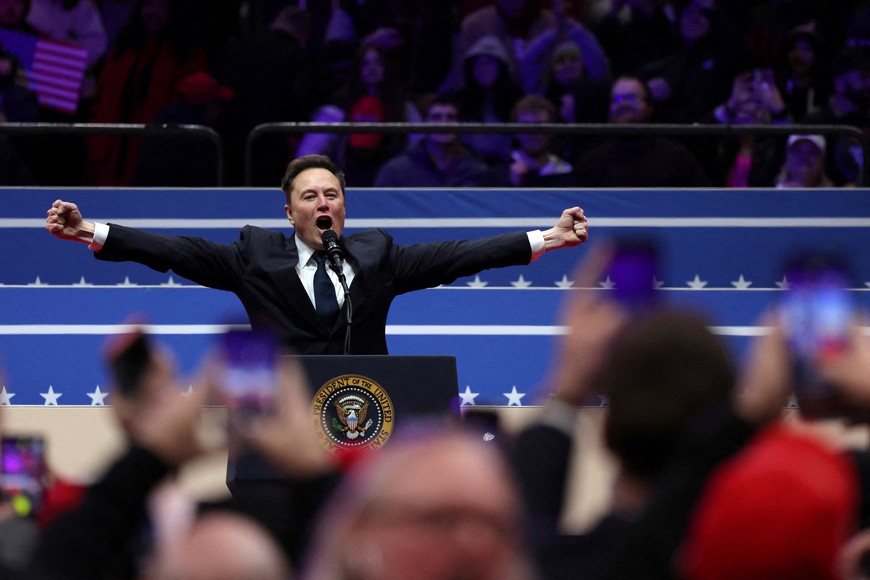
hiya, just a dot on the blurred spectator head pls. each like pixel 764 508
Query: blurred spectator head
pixel 13 12
pixel 294 21
pixel 804 162
pixel 439 504
pixel 567 63
pixel 534 109
pixel 519 10
pixel 696 19
pixel 629 101
pixel 664 370
pixel 782 508
pixel 155 15
pixel 803 50
pixel 372 68
pixel 851 70
pixel 222 545
pixel 443 108
pixel 486 62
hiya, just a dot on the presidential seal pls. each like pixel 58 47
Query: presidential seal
pixel 352 411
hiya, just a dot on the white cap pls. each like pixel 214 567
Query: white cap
pixel 816 140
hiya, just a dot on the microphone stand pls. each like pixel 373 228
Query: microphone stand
pixel 347 302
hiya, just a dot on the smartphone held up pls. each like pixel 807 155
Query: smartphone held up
pixel 249 375
pixel 817 312
pixel 22 473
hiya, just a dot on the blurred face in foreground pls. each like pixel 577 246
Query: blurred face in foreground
pixel 447 511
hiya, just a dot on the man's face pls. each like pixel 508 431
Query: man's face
pixel 533 144
pixel 695 19
pixel 628 102
pixel 371 68
pixel 155 15
pixel 442 113
pixel 568 69
pixel 855 86
pixel 804 163
pixel 801 57
pixel 316 205
pixel 485 68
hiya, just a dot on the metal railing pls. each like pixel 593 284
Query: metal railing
pixel 161 130
pixel 584 129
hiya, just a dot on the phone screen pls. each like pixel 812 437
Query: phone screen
pixel 250 376
pixel 817 311
pixel 22 473
pixel 633 270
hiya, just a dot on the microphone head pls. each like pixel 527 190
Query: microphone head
pixel 329 238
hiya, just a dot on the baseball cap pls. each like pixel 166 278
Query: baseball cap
pixel 781 509
pixel 816 140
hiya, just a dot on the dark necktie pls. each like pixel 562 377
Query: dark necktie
pixel 324 291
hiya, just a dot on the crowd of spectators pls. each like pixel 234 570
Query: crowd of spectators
pixel 700 61
pixel 715 478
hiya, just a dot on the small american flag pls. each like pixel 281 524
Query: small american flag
pixel 53 70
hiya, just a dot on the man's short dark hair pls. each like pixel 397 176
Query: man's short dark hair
pixel 663 371
pixel 305 162
pixel 450 99
pixel 533 104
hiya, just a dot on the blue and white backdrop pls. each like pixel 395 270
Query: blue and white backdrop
pixel 722 252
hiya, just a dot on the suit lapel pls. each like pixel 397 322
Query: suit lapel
pixel 286 279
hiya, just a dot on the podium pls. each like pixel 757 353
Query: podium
pixel 362 400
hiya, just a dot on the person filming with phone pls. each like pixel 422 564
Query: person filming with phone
pixel 284 282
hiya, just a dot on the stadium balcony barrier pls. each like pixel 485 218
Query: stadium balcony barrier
pixel 44 130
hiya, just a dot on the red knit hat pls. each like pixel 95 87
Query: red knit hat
pixel 201 88
pixel 781 509
pixel 367 109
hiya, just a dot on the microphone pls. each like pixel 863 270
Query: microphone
pixel 334 253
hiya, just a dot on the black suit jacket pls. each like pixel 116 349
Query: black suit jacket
pixel 260 268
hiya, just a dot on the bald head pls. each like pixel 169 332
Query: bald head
pixel 224 545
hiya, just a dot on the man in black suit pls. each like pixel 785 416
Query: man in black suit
pixel 274 275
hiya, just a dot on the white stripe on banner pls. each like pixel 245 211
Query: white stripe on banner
pixel 393 330
pixel 477 223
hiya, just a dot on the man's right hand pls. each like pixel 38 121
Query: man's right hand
pixel 65 221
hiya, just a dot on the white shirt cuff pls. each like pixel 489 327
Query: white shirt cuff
pixel 536 241
pixel 101 232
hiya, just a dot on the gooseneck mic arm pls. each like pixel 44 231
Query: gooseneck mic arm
pixel 335 256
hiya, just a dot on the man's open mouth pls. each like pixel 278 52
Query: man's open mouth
pixel 324 222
